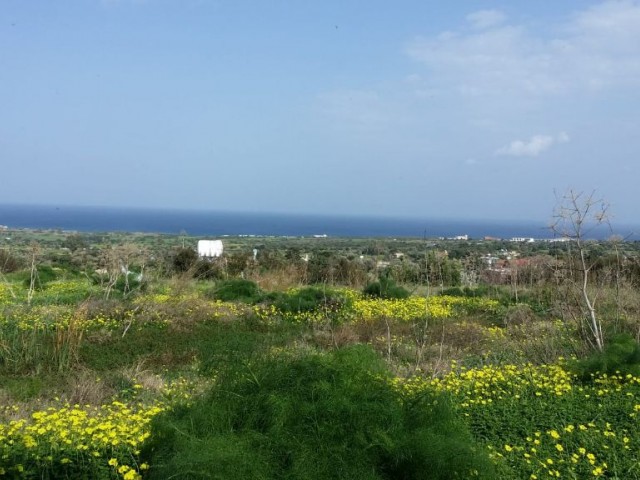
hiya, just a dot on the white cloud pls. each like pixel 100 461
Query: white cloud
pixel 495 60
pixel 532 147
pixel 594 49
pixel 486 18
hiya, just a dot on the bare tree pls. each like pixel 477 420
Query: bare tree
pixel 575 217
pixel 115 263
pixel 8 263
pixel 33 276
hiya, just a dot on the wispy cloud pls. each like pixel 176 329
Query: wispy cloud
pixel 593 49
pixel 532 147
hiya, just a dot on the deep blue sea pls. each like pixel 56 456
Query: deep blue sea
pixel 199 223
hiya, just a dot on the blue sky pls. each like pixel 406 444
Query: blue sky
pixel 464 110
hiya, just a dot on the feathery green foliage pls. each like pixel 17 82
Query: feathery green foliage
pixel 385 287
pixel 308 299
pixel 313 417
pixel 237 289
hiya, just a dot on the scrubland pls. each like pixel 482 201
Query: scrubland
pixel 115 363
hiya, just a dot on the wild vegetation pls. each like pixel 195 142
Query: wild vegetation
pixel 127 356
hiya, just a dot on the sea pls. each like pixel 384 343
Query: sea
pixel 218 223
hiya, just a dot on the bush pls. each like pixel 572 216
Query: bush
pixel 385 288
pixel 307 299
pixel 480 291
pixel 8 262
pixel 44 275
pixel 184 259
pixel 133 281
pixel 453 292
pixel 206 270
pixel 621 354
pixel 75 242
pixel 312 417
pixel 237 289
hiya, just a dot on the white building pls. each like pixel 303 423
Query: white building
pixel 209 248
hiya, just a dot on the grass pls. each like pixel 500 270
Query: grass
pixel 174 350
pixel 315 417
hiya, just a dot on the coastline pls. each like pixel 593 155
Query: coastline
pixel 216 223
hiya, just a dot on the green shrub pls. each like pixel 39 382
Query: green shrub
pixel 134 281
pixel 237 289
pixel 453 292
pixel 312 417
pixel 44 275
pixel 385 288
pixel 9 262
pixel 206 270
pixel 308 299
pixel 621 354
pixel 184 259
pixel 480 291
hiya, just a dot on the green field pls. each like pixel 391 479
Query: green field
pixel 124 356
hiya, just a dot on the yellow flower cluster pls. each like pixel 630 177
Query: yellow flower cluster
pixel 269 314
pixel 489 383
pixel 157 298
pixel 572 451
pixel 606 445
pixel 507 381
pixel 418 307
pixel 146 310
pixel 37 318
pixel 111 434
pixel 164 307
pixel 359 308
pixel 69 287
pixel 222 309
pixel 55 317
pixel 153 306
pixel 402 309
pixel 6 295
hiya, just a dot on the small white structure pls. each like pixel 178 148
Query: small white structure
pixel 209 248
